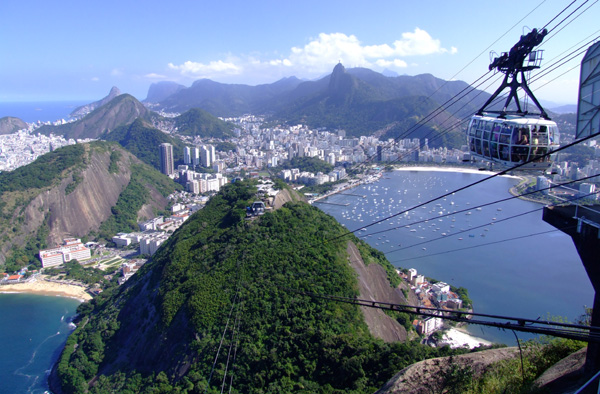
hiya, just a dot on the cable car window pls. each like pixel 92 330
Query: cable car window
pixel 543 135
pixel 488 125
pixel 478 133
pixel 506 129
pixel 486 148
pixel 478 146
pixel 494 148
pixel 504 152
pixel 504 138
pixel 515 136
pixel 486 135
pixel 554 135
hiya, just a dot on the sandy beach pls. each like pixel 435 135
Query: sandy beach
pixel 456 337
pixel 43 287
pixel 451 169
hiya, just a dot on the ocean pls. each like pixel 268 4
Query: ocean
pixel 507 268
pixel 44 111
pixel 33 329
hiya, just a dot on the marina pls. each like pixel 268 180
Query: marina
pixel 459 241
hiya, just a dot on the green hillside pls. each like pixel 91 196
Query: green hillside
pixel 122 110
pixel 222 282
pixel 143 141
pixel 197 122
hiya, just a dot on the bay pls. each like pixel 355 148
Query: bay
pixel 33 329
pixel 43 111
pixel 510 260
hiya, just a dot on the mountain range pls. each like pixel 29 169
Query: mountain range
pixel 358 100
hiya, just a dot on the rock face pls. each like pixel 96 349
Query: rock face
pixel 86 109
pixel 83 210
pixel 162 90
pixel 429 376
pixel 374 285
pixel 9 125
pixel 80 201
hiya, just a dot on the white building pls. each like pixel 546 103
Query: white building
pixel 72 249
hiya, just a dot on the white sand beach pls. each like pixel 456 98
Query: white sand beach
pixel 450 169
pixel 453 169
pixel 43 287
pixel 458 338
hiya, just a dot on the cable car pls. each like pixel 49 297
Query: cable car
pixel 513 140
pixel 511 137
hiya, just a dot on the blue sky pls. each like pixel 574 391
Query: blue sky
pixel 72 50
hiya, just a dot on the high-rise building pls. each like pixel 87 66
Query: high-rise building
pixel 187 156
pixel 166 159
pixel 196 156
pixel 205 157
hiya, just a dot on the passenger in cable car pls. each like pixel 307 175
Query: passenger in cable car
pixel 523 140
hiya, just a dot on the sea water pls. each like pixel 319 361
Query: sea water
pixel 517 267
pixel 44 111
pixel 33 331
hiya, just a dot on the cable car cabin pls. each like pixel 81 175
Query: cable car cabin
pixel 513 140
pixel 257 208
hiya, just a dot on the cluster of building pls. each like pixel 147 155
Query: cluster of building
pixel 258 146
pixel 23 147
pixel 155 231
pixel 17 277
pixel 194 182
pixel 308 178
pixel 431 295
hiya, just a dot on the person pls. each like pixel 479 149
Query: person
pixel 523 140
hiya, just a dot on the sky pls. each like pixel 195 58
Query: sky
pixel 78 50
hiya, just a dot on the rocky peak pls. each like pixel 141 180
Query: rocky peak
pixel 341 85
pixel 86 109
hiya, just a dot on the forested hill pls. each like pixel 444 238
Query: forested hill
pixel 220 296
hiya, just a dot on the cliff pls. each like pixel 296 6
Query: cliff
pixel 54 202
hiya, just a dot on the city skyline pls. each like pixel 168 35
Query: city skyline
pixel 84 56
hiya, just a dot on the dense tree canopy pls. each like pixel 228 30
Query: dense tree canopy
pixel 223 276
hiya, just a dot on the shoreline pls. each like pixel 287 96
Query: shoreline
pixel 457 337
pixel 43 287
pixel 453 169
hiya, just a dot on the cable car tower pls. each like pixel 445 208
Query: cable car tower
pixel 507 136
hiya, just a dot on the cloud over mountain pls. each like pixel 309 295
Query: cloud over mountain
pixel 317 56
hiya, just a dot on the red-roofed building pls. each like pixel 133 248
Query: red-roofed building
pixel 71 249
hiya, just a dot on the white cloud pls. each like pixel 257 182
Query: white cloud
pixel 327 49
pixel 317 57
pixel 200 70
pixel 95 79
pixel 116 72
pixel 155 76
pixel 397 63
